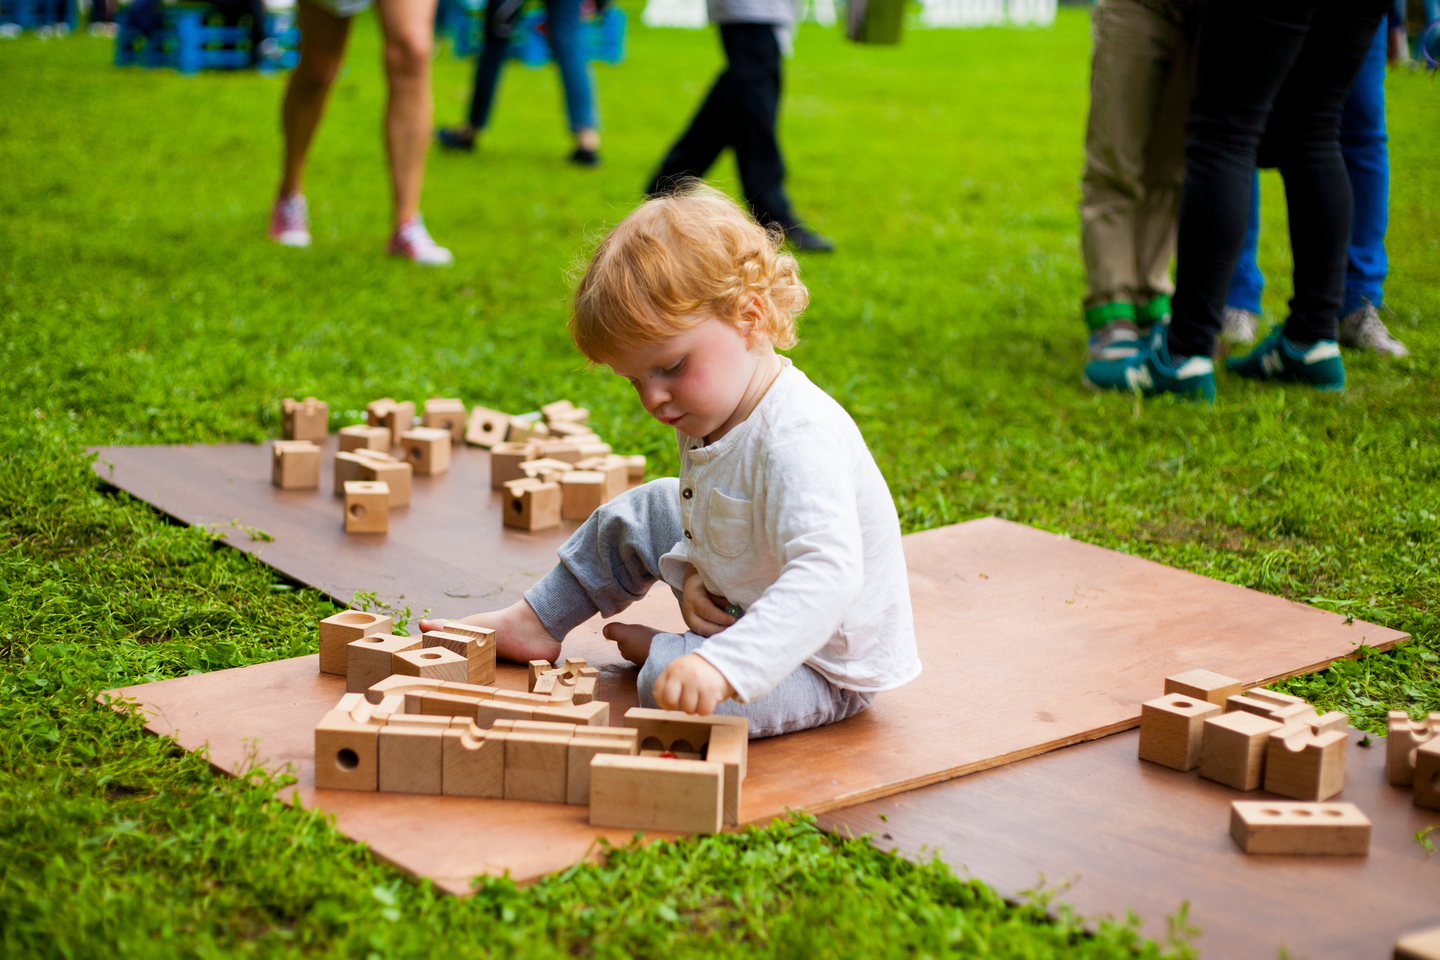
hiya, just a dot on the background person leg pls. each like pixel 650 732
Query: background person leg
pixel 322 52
pixel 409 29
pixel 575 78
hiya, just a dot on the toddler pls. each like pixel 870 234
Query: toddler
pixel 779 537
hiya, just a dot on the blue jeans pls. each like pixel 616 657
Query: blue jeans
pixel 563 17
pixel 1367 160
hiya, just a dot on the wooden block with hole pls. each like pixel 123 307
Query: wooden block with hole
pixel 650 793
pixel 473 763
pixel 367 507
pixel 368 659
pixel 412 757
pixel 532 505
pixel 505 461
pixel 307 419
pixel 1426 787
pixel 479 654
pixel 582 493
pixel 367 438
pixel 427 450
pixel 1422 945
pixel 445 413
pixel 1171 730
pixel 343 628
pixel 295 465
pixel 536 765
pixel 1403 737
pixel 1304 765
pixel 1204 685
pixel 522 430
pixel 346 750
pixel 1275 826
pixel 582 749
pixel 432 663
pixel 564 411
pixel 486 428
pixel 678 731
pixel 1232 749
pixel 395 416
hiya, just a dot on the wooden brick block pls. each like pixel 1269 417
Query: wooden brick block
pixel 505 461
pixel 566 430
pixel 1273 826
pixel 445 413
pixel 343 628
pixel 411 758
pixel 545 469
pixel 476 691
pixel 536 669
pixel 729 746
pixel 307 419
pixel 1326 722
pixel 1171 730
pixel 648 793
pixel 347 468
pixel 473 763
pixel 487 712
pixel 1427 776
pixel 677 731
pixel 524 430
pixel 582 493
pixel 565 451
pixel 1279 710
pixel 532 505
pixel 295 465
pixel 367 507
pixel 1422 945
pixel 479 652
pixel 427 450
pixel 1204 685
pixel 395 474
pixel 1232 749
pixel 545 685
pixel 435 663
pixel 440 703
pixel 368 659
pixel 371 438
pixel 584 690
pixel 486 428
pixel 596 713
pixel 582 749
pixel 564 411
pixel 536 765
pixel 635 464
pixel 400 686
pixel 395 416
pixel 1302 764
pixel 346 753
pixel 592 447
pixel 1402 739
pixel 617 474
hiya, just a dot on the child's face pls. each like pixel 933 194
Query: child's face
pixel 697 380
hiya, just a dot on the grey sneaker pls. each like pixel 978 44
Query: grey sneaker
pixel 1363 329
pixel 1238 326
pixel 1116 340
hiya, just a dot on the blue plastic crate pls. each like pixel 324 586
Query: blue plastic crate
pixel 602 38
pixel 187 43
pixel 33 14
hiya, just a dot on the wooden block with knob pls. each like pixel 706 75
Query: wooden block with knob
pixel 295 465
pixel 427 450
pixel 1204 685
pixel 367 507
pixel 368 659
pixel 1277 826
pixel 1426 786
pixel 1302 764
pixel 1403 737
pixel 445 413
pixel 1232 749
pixel 395 474
pixel 368 438
pixel 1172 728
pixel 653 793
pixel 412 757
pixel 307 419
pixel 486 428
pixel 505 461
pixel 342 629
pixel 1421 945
pixel 395 416
pixel 582 493
pixel 532 505
pixel 433 663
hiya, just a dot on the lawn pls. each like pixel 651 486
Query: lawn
pixel 139 303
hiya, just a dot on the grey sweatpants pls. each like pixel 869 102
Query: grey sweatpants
pixel 614 559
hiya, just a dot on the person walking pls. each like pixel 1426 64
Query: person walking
pixel 740 112
pixel 408 27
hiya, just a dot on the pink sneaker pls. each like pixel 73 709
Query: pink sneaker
pixel 290 221
pixel 413 242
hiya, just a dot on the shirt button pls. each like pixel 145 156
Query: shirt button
pixel 687 535
pixel 687 493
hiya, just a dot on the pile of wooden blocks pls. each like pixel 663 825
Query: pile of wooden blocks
pixel 551 465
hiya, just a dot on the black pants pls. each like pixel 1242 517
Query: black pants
pixel 739 112
pixel 1271 79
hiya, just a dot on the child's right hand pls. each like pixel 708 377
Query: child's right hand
pixel 701 608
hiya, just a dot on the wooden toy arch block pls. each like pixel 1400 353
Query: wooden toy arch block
pixel 1302 764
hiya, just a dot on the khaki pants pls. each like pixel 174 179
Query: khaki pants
pixel 1141 76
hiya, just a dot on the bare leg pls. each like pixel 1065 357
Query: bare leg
pixel 409 27
pixel 519 635
pixel 322 51
pixel 632 639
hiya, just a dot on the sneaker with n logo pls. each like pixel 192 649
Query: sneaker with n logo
pixel 1153 371
pixel 1277 358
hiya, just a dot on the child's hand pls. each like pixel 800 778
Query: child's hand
pixel 700 607
pixel 691 684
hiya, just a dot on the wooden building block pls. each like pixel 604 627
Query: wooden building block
pixel 295 465
pixel 535 670
pixel 368 659
pixel 473 763
pixel 435 663
pixel 565 451
pixel 1328 721
pixel 387 709
pixel 486 428
pixel 445 413
pixel 596 713
pixel 564 410
pixel 505 460
pixel 1270 826
pixel 427 450
pixel 565 430
pixel 411 758
pixel 1403 738
pixel 1279 710
pixel 395 474
pixel 677 731
pixel 1423 945
pixel 1426 786
pixel 307 419
pixel 582 749
pixel 489 711
pixel 545 685
pixel 584 690
pixel 582 493
pixel 635 463
pixel 1171 730
pixel 617 474
pixel 532 505
pixel 536 765
pixel 372 438
pixel 479 653
pixel 434 720
pixel 1204 685
pixel 1302 764
pixel 343 628
pixel 347 468
pixel 593 447
pixel 346 753
pixel 524 430
pixel 400 686
pixel 395 416
pixel 545 469
pixel 440 703
pixel 730 746
pixel 1232 749
pixel 367 507
pixel 650 793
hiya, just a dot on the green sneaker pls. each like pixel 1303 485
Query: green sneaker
pixel 1276 358
pixel 1152 371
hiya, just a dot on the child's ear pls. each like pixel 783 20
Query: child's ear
pixel 752 319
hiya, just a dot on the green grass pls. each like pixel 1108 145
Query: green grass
pixel 139 304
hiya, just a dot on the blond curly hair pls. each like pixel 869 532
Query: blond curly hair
pixel 677 260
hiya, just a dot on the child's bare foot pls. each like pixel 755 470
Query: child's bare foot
pixel 633 639
pixel 519 635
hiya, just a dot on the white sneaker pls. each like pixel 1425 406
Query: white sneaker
pixel 290 221
pixel 1238 326
pixel 413 242
pixel 1362 329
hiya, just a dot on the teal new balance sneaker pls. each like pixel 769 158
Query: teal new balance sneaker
pixel 1152 371
pixel 1276 358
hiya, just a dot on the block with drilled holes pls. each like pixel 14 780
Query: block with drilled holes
pixel 343 628
pixel 445 413
pixel 532 505
pixel 427 450
pixel 582 493
pixel 474 762
pixel 346 748
pixel 367 507
pixel 1171 730
pixel 505 461
pixel 395 474
pixel 657 793
pixel 368 660
pixel 1426 787
pixel 1278 826
pixel 395 416
pixel 433 663
pixel 479 652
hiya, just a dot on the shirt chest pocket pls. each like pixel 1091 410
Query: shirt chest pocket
pixel 728 524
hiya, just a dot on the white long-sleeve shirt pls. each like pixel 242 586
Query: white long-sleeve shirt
pixel 788 517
